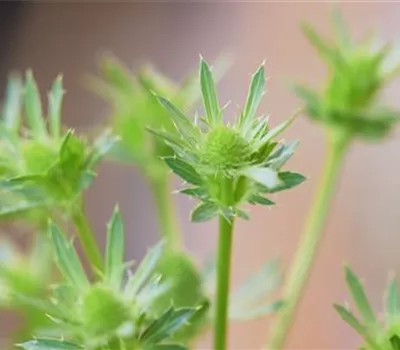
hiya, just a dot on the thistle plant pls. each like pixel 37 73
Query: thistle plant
pixel 134 108
pixel 225 166
pixel 348 107
pixel 113 312
pixel 379 332
pixel 45 170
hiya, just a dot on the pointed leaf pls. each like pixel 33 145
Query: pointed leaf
pixel 33 107
pixel 55 101
pixel 257 312
pixel 49 344
pixel 204 212
pixel 260 200
pixel 359 297
pixel 184 125
pixel 392 301
pixel 209 94
pixel 289 180
pixel 184 170
pixel 114 259
pixel 265 176
pixel 145 270
pixel 67 258
pixel 12 103
pixel 254 97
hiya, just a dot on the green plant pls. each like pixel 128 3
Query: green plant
pixel 348 108
pixel 166 302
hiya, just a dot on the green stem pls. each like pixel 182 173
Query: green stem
pixel 88 241
pixel 307 248
pixel 223 275
pixel 166 213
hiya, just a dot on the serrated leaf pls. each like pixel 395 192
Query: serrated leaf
pixel 209 93
pixel 359 297
pixel 253 100
pixel 168 324
pixel 278 158
pixel 265 176
pixel 49 344
pixel 184 170
pixel 204 212
pixel 55 101
pixel 289 180
pixel 184 125
pixel 12 104
pixel 145 270
pixel 114 266
pixel 256 199
pixel 271 134
pixel 392 301
pixel 67 258
pixel 196 192
pixel 33 107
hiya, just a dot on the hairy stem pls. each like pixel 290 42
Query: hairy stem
pixel 88 241
pixel 166 213
pixel 304 257
pixel 223 275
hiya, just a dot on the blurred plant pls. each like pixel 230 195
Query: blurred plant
pixel 25 274
pixel 226 166
pixel 44 170
pixel 348 107
pixel 377 335
pixel 134 109
pixel 111 313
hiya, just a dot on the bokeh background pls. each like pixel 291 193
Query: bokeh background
pixel 364 225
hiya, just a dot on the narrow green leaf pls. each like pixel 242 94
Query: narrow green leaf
pixel 49 344
pixel 289 180
pixel 260 200
pixel 67 258
pixel 103 144
pixel 257 312
pixel 254 97
pixel 265 176
pixel 358 294
pixel 55 100
pixel 209 93
pixel 341 33
pixel 145 270
pixel 33 107
pixel 270 135
pixel 114 259
pixel 168 324
pixel 183 124
pixel 117 74
pixel 392 301
pixel 196 192
pixel 12 103
pixel 350 319
pixel 184 170
pixel 204 212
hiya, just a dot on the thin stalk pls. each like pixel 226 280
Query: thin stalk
pixel 305 254
pixel 223 275
pixel 88 241
pixel 166 212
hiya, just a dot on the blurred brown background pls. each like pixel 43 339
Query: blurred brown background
pixel 364 226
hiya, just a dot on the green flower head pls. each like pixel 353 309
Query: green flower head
pixel 242 159
pixel 134 108
pixel 115 311
pixel 356 76
pixel 42 166
pixel 379 332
